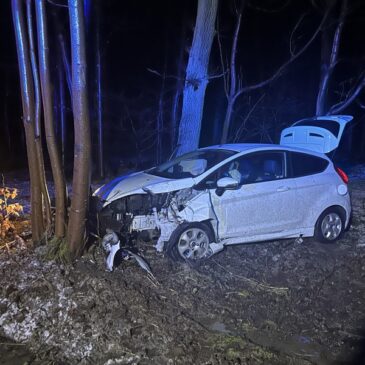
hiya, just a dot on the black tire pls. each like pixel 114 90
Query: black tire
pixel 175 246
pixel 330 225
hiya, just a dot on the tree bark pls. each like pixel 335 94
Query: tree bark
pixel 81 172
pixel 232 78
pixel 27 93
pixel 98 95
pixel 62 108
pixel 49 121
pixel 329 59
pixel 196 80
pixel 37 121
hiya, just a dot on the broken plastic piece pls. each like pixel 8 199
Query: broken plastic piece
pixel 116 254
pixel 112 254
pixel 141 262
pixel 298 240
pixel 214 248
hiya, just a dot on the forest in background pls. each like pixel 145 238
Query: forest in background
pixel 142 50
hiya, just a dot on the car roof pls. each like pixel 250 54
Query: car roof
pixel 242 147
pixel 238 147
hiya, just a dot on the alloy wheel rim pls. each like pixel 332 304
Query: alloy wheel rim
pixel 331 226
pixel 193 244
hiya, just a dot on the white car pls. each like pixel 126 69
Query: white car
pixel 235 193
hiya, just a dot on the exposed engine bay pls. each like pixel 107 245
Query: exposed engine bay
pixel 147 216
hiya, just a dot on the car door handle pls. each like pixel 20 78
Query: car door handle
pixel 282 188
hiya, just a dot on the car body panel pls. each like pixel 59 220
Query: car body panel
pixel 323 190
pixel 313 135
pixel 139 183
pixel 238 208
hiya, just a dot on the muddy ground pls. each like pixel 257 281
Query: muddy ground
pixel 281 302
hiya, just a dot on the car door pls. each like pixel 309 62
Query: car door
pixel 319 134
pixel 264 201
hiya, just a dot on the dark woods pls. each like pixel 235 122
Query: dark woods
pixel 265 71
pixel 110 86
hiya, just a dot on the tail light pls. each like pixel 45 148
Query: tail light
pixel 342 175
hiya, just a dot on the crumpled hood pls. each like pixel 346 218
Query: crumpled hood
pixel 139 183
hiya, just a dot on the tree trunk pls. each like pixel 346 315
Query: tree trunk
pixel 27 93
pixel 62 45
pixel 46 86
pixel 231 97
pixel 99 96
pixel 329 58
pixel 37 121
pixel 196 80
pixel 81 172
pixel 62 109
pixel 175 110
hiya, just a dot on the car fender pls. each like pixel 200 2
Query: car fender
pixel 198 209
pixel 329 197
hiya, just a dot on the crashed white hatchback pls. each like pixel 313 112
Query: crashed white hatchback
pixel 230 194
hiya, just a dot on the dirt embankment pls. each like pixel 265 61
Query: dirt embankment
pixel 280 302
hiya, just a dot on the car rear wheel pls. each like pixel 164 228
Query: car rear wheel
pixel 330 225
pixel 190 242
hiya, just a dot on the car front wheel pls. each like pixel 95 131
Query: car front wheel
pixel 330 225
pixel 190 242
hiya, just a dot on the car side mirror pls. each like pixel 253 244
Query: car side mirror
pixel 225 183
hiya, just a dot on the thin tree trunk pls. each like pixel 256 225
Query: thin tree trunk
pixel 159 120
pixel 81 172
pixel 328 63
pixel 66 63
pixel 65 58
pixel 175 110
pixel 46 86
pixel 27 92
pixel 197 77
pixel 232 78
pixel 62 111
pixel 98 96
pixel 37 121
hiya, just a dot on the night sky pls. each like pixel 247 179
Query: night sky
pixel 138 36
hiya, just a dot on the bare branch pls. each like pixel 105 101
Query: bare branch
pixel 338 33
pixel 291 47
pixel 337 108
pixel 240 129
pixel 223 64
pixel 279 71
pixel 217 76
pixel 266 10
pixel 56 4
pixel 360 104
pixel 163 75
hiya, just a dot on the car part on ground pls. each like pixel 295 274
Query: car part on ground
pixel 117 254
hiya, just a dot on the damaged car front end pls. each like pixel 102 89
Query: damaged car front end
pixel 151 205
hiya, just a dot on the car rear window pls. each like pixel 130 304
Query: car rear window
pixel 330 125
pixel 303 164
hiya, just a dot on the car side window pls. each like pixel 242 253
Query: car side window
pixel 249 169
pixel 303 164
pixel 267 166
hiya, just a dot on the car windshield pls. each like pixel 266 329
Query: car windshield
pixel 191 164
